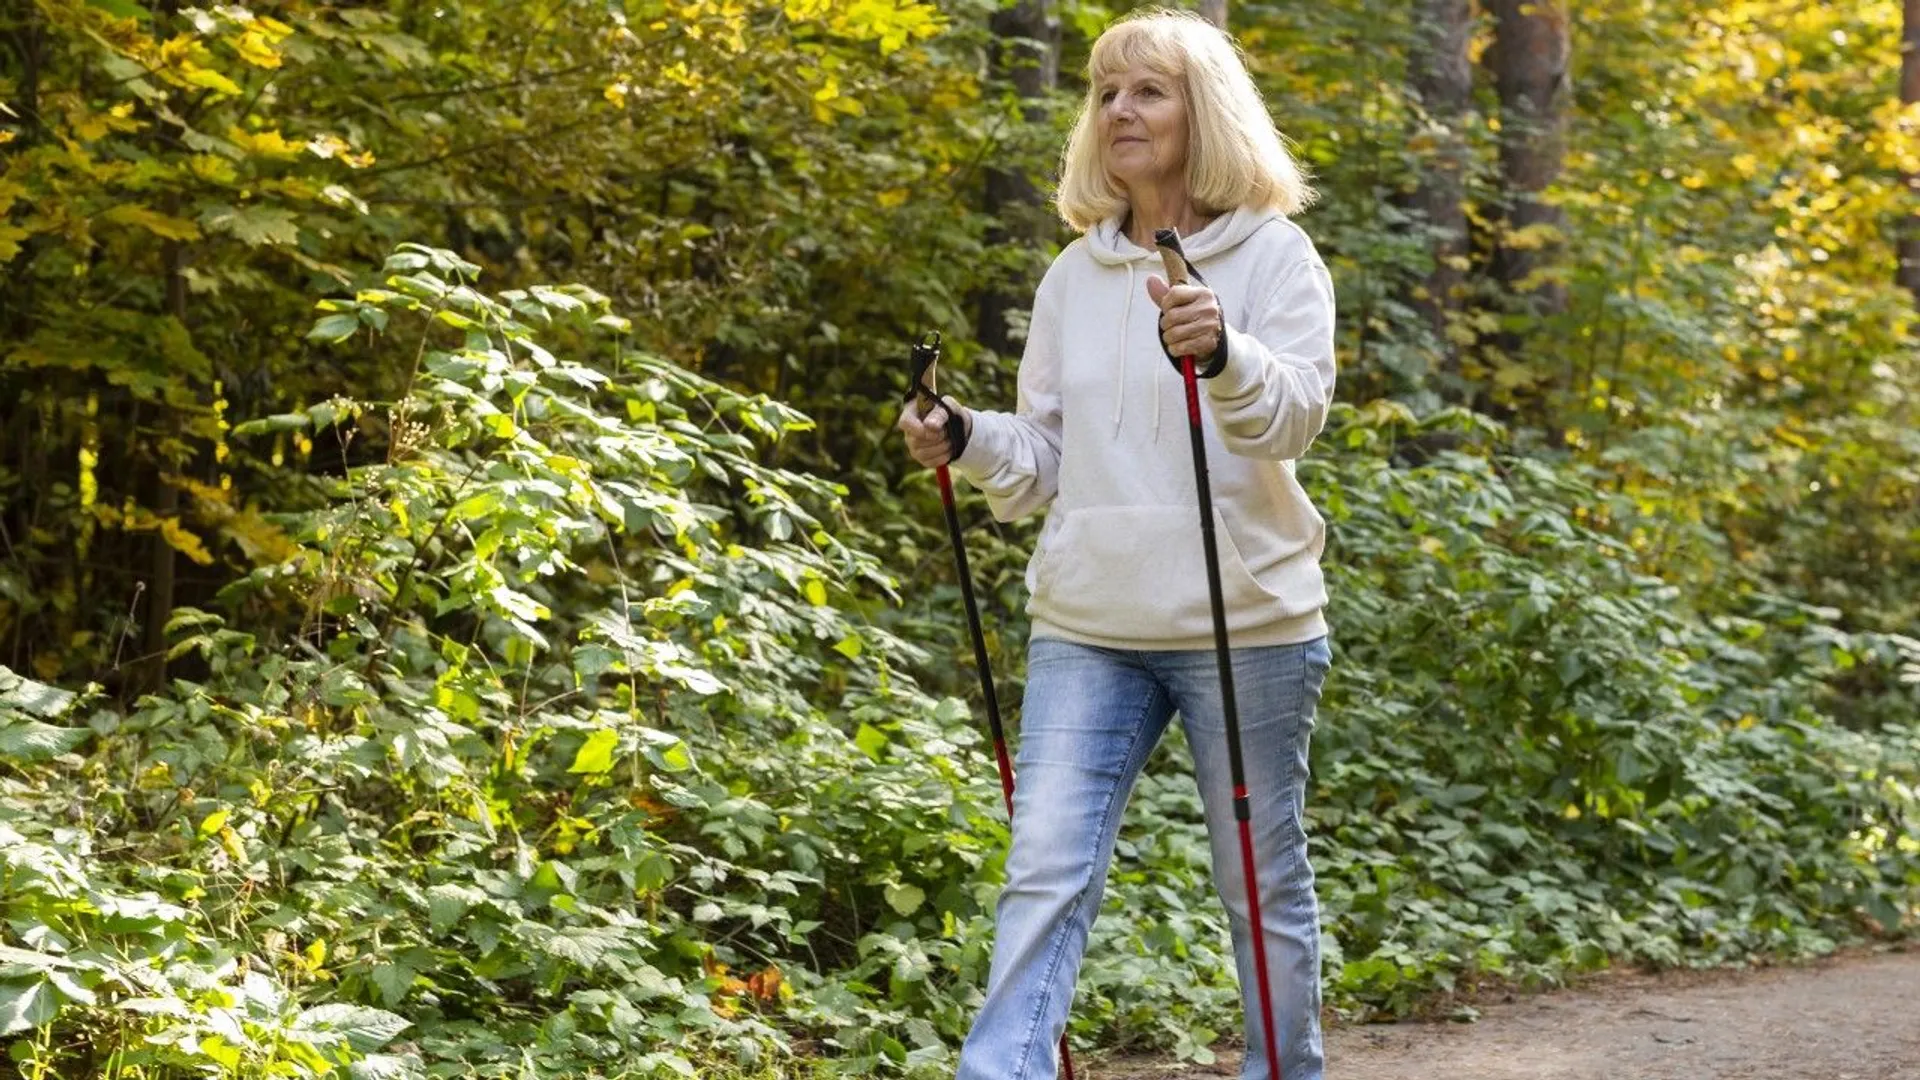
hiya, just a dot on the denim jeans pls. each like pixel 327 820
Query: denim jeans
pixel 1090 718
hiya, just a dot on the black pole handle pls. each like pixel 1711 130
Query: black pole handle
pixel 924 387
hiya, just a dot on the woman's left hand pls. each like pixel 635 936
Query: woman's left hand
pixel 1190 320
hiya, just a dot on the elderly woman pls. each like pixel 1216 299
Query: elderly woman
pixel 1173 134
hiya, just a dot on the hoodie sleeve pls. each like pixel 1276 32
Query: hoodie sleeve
pixel 1014 458
pixel 1271 399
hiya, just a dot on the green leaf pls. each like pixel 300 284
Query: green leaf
pixel 447 903
pixel 254 225
pixel 477 505
pixel 25 1006
pixel 267 425
pixel 848 646
pixel 393 980
pixel 596 754
pixel 871 740
pixel 593 659
pixel 366 1030
pixel 334 328
pixel 37 698
pixel 906 899
pixel 382 1067
pixel 31 740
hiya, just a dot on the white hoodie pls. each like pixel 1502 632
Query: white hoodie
pixel 1100 438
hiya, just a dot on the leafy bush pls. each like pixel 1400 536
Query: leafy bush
pixel 548 736
pixel 557 733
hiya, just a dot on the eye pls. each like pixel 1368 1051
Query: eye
pixel 1106 97
pixel 1149 91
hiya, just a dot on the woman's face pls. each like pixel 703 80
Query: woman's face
pixel 1142 127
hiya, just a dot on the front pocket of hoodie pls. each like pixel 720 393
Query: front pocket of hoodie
pixel 1138 572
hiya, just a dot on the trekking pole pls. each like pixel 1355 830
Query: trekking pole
pixel 926 363
pixel 1179 271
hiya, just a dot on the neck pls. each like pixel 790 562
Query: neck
pixel 1152 208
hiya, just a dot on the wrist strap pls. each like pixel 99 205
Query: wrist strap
pixel 1180 271
pixel 925 368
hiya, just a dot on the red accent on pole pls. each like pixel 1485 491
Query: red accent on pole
pixel 1193 392
pixel 1259 942
pixel 1006 774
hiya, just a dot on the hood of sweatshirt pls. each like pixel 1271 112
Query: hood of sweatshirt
pixel 1110 246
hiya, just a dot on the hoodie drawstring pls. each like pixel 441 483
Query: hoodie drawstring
pixel 1120 369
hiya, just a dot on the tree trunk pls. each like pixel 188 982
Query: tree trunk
pixel 1442 77
pixel 165 498
pixel 1908 274
pixel 1215 12
pixel 1026 56
pixel 1529 57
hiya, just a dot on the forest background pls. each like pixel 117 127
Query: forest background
pixel 464 610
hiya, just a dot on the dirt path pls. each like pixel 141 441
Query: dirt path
pixel 1854 1018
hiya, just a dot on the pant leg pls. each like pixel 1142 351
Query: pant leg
pixel 1276 689
pixel 1088 722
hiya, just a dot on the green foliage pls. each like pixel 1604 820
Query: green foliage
pixel 549 723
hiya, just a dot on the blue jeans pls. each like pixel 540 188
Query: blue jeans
pixel 1090 718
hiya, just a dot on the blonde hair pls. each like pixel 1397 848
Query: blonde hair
pixel 1235 155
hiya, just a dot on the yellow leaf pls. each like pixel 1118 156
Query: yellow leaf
pixel 270 142
pixel 172 228
pixel 7 135
pixel 616 95
pixel 213 169
pixel 210 79
pixel 256 48
pixel 184 542
pixel 892 197
pixel 10 237
pixel 816 592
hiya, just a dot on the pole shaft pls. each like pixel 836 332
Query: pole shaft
pixel 1236 765
pixel 980 664
pixel 979 636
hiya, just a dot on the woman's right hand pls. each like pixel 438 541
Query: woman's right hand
pixel 927 435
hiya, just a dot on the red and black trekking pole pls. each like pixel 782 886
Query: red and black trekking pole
pixel 1179 271
pixel 926 363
